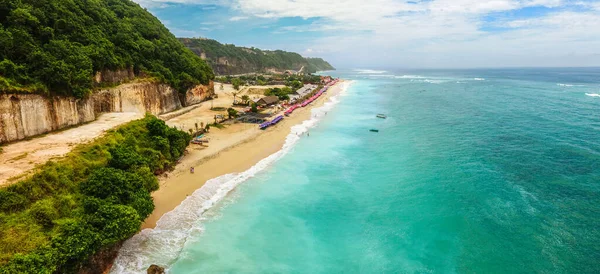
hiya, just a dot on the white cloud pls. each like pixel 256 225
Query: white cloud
pixel 437 32
pixel 238 18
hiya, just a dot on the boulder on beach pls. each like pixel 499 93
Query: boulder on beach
pixel 155 269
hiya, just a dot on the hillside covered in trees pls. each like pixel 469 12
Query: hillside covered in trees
pixel 89 201
pixel 57 46
pixel 230 59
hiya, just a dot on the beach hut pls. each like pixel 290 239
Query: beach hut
pixel 267 101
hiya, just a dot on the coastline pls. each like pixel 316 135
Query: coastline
pixel 233 149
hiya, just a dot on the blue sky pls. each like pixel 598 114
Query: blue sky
pixel 393 33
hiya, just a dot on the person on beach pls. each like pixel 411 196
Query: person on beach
pixel 192 170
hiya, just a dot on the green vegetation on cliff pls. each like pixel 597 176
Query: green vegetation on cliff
pixel 229 59
pixel 57 46
pixel 95 197
pixel 318 64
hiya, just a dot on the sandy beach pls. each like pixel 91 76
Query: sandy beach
pixel 232 149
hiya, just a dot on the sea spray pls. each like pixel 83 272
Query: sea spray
pixel 163 244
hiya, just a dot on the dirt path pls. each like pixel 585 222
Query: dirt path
pixel 18 158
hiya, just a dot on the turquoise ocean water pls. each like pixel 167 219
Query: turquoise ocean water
pixel 474 171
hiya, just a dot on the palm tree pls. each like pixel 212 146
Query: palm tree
pixel 235 94
pixel 245 98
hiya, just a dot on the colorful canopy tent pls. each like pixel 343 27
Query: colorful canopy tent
pixel 271 123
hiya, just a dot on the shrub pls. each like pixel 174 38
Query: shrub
pixel 44 213
pixel 125 157
pixel 232 112
pixel 11 201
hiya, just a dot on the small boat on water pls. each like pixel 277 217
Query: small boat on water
pixel 374 130
pixel 382 116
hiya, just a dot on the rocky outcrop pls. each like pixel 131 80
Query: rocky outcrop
pixel 99 263
pixel 199 94
pixel 25 115
pixel 137 97
pixel 155 269
pixel 114 76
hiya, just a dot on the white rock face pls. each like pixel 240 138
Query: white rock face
pixel 137 97
pixel 27 115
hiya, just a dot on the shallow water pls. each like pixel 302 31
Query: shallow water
pixel 476 171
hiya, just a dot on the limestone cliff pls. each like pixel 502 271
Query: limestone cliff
pixel 199 94
pixel 27 115
pixel 114 76
pixel 137 97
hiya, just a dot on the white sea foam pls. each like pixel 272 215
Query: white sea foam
pixel 369 71
pixel 434 81
pixel 382 75
pixel 593 94
pixel 569 85
pixel 478 79
pixel 410 77
pixel 163 244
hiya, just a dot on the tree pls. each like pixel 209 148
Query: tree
pixel 232 113
pixel 156 127
pixel 296 84
pixel 111 184
pixel 116 222
pixel 124 157
pixel 236 82
pixel 254 108
pixel 235 94
pixel 245 99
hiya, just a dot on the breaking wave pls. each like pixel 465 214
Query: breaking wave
pixel 410 77
pixel 569 85
pixel 369 71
